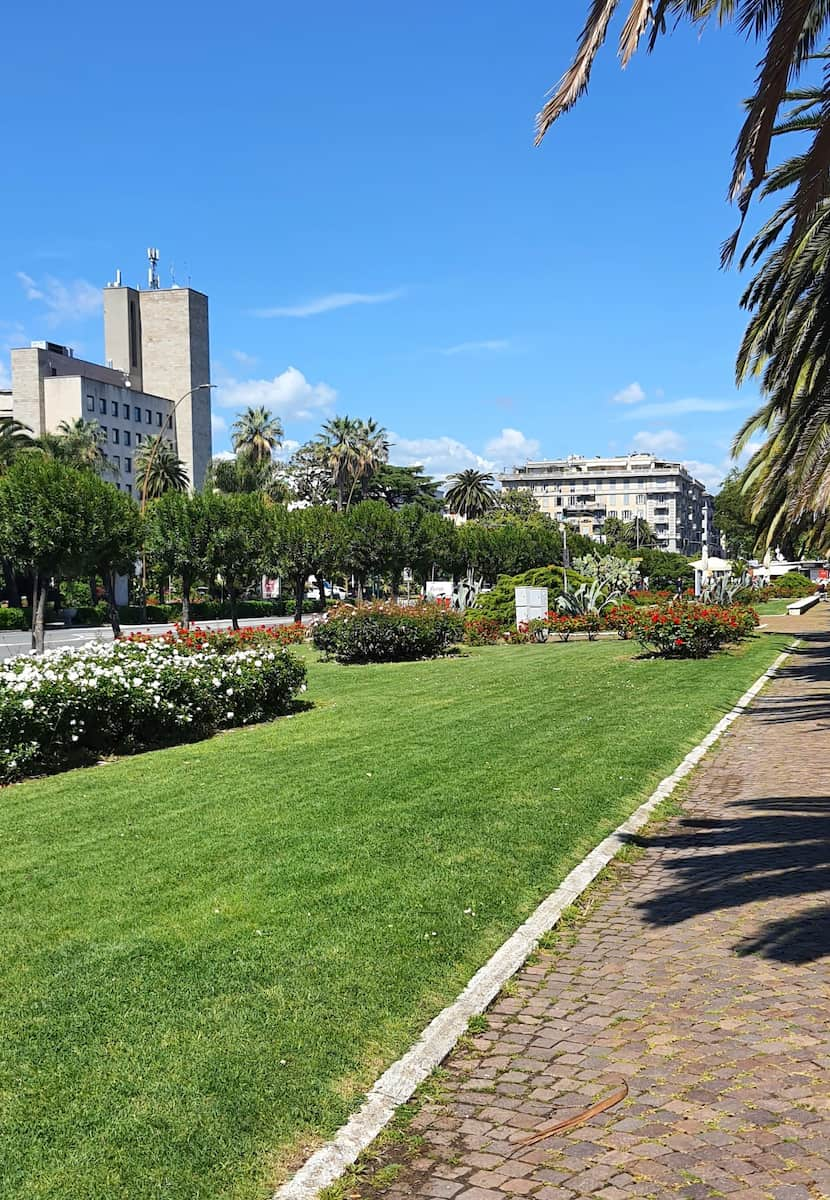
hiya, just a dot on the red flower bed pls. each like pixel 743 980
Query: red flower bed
pixel 686 630
pixel 225 640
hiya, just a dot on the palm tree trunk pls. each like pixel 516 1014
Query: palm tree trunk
pixel 38 612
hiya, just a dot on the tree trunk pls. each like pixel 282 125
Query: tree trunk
pixel 394 586
pixel 233 594
pixel 321 588
pixel 299 596
pixel 10 583
pixel 38 612
pixel 93 590
pixel 112 607
pixel 185 601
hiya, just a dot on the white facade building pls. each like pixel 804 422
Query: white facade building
pixel 584 491
pixel 157 349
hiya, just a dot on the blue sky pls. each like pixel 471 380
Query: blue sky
pixel 356 189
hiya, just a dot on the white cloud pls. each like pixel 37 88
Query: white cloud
pixel 492 344
pixel 64 301
pixel 324 304
pixel 218 422
pixel 658 441
pixel 675 408
pixel 633 394
pixel 247 360
pixel 289 395
pixel 511 446
pixel 438 456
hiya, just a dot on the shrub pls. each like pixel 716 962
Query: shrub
pixel 13 618
pixel 387 632
pixel 500 603
pixel 481 631
pixel 686 630
pixel 71 706
pixel 224 641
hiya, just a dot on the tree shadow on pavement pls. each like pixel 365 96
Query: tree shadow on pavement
pixel 778 851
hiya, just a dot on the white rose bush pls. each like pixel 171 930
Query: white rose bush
pixel 72 706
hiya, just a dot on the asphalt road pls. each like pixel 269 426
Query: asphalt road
pixel 14 642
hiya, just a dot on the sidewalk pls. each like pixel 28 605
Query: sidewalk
pixel 700 975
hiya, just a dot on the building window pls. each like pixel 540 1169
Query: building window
pixel 128 437
pixel 148 416
pixel 116 436
pixel 102 407
pixel 128 465
pixel 90 404
pixel 626 514
pixel 116 462
pixel 133 334
pixel 641 500
pixel 138 439
pixel 114 408
pixel 158 419
pixel 105 435
pixel 129 489
pixel 136 413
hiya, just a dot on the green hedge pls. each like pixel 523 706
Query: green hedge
pixel 14 618
pixel 500 603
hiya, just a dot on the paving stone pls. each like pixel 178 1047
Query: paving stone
pixel 701 975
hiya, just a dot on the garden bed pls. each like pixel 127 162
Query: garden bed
pixel 208 952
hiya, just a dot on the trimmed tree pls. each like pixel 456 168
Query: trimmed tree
pixel 306 542
pixel 176 537
pixel 236 542
pixel 49 525
pixel 116 538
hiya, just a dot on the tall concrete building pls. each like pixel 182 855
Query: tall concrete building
pixel 584 491
pixel 157 349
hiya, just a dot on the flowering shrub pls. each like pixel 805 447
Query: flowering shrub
pixel 481 631
pixel 686 630
pixel 70 706
pixel 564 624
pixel 386 632
pixel 224 641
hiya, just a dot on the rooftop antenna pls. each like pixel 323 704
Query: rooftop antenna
pixel 173 275
pixel 152 273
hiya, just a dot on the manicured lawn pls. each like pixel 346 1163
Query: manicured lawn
pixel 208 952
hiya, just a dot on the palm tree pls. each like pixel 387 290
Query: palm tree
pixel 14 437
pixel 470 493
pixel 372 453
pixel 793 31
pixel 342 441
pixel 256 433
pixel 84 442
pixel 243 475
pixel 158 469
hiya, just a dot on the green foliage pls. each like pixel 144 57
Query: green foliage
pixel 158 469
pixel 733 516
pixel 613 574
pixel 663 568
pixel 387 633
pixel 236 541
pixel 518 502
pixel 398 486
pixel 500 603
pixel 13 618
pixel 305 542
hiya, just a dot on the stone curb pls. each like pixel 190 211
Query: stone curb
pixel 396 1085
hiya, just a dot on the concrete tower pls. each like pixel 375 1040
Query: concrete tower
pixel 159 339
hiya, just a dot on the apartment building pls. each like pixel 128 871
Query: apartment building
pixel 584 491
pixel 156 345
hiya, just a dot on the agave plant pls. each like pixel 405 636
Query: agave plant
pixel 589 600
pixel 722 589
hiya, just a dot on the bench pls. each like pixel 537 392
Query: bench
pixel 801 606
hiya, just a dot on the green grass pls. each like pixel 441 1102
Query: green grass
pixel 772 608
pixel 208 952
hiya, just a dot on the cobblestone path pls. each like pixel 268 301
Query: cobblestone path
pixel 700 974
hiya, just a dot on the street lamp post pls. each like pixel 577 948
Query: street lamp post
pixel 147 468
